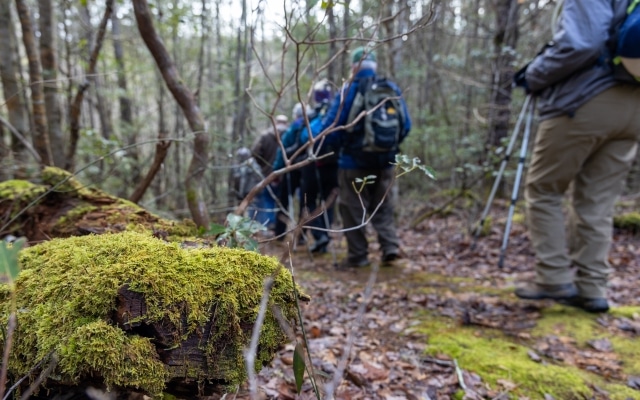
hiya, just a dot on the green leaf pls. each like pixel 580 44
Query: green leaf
pixel 251 245
pixel 298 366
pixel 216 229
pixel 9 259
pixel 233 220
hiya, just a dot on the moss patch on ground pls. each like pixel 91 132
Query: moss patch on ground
pixel 66 296
pixel 504 362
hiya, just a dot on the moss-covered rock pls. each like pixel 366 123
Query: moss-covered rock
pixel 199 307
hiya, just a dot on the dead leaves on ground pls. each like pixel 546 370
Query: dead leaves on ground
pixel 386 359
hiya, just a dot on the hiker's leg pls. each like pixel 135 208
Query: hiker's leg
pixel 613 119
pixel 558 155
pixel 383 219
pixel 352 213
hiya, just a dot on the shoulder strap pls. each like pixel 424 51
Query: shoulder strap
pixel 357 106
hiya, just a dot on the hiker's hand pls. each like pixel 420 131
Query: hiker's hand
pixel 520 80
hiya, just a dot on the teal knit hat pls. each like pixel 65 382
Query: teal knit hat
pixel 362 54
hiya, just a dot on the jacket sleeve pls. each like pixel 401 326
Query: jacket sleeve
pixel 582 33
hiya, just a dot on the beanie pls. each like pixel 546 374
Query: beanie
pixel 360 54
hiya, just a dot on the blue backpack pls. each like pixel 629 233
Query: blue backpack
pixel 626 46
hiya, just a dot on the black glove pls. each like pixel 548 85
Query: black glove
pixel 520 80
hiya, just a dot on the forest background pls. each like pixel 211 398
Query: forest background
pixel 83 87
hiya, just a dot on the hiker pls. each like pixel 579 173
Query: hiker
pixel 361 155
pixel 290 182
pixel 585 144
pixel 246 175
pixel 264 151
pixel 320 178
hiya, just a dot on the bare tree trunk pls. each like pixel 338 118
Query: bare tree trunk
pixel 506 36
pixel 76 106
pixel 158 185
pixel 189 107
pixel 162 148
pixel 128 134
pixel 41 134
pixel 333 34
pixel 11 90
pixel 346 21
pixel 50 75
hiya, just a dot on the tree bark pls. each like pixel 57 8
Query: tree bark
pixel 11 90
pixel 189 107
pixel 41 133
pixel 162 148
pixel 76 106
pixel 506 36
pixel 50 75
pixel 127 133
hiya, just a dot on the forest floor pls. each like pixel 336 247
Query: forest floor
pixel 443 323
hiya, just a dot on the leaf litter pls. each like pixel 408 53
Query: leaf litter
pixel 388 358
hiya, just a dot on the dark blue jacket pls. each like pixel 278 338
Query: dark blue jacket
pixel 338 114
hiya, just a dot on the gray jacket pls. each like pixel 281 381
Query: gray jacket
pixel 574 67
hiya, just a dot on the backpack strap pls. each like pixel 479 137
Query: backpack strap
pixel 357 106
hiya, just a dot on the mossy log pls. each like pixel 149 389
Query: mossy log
pixel 133 311
pixel 58 205
pixel 134 308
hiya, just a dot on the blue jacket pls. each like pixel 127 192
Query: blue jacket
pixel 338 114
pixel 574 67
pixel 289 136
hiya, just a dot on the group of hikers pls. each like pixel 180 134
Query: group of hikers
pixel 371 120
pixel 586 83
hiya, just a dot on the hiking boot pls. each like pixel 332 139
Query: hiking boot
pixel 389 258
pixel 538 291
pixel 320 245
pixel 595 305
pixel 348 264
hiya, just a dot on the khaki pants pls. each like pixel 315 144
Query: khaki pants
pixel 353 211
pixel 589 155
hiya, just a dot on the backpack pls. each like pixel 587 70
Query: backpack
pixel 246 176
pixel 627 39
pixel 382 128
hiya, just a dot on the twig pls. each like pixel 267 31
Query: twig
pixel 15 385
pixel 459 374
pixel 43 375
pixel 250 353
pixel 309 365
pixel 11 327
pixel 342 363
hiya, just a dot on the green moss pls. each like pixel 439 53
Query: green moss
pixel 492 356
pixel 19 189
pixel 75 214
pixel 629 222
pixel 518 218
pixel 67 288
pixel 626 311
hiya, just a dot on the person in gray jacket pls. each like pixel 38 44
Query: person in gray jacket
pixel 586 142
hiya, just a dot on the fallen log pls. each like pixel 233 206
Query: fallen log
pixel 133 309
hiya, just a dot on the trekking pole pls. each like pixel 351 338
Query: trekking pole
pixel 503 164
pixel 325 215
pixel 516 184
